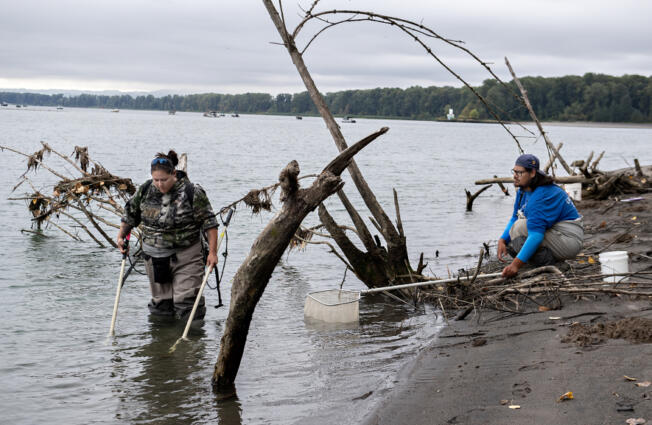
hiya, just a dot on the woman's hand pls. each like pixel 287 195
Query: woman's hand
pixel 502 250
pixel 125 229
pixel 211 260
pixel 121 245
pixel 211 235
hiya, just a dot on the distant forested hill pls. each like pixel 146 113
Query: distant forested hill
pixel 592 97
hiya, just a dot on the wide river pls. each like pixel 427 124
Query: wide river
pixel 59 367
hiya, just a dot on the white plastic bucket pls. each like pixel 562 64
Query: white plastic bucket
pixel 574 190
pixel 614 262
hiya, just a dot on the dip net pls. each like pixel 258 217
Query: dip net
pixel 333 306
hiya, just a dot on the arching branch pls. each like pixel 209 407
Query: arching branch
pixel 411 27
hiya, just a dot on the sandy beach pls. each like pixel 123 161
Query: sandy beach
pixel 498 368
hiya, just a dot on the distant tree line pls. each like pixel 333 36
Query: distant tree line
pixel 592 97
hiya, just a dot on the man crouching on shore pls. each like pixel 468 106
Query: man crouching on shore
pixel 545 227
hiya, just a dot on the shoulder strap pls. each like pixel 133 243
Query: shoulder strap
pixel 190 192
pixel 146 186
pixel 143 192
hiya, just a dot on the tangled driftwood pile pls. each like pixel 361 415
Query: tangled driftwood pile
pixel 538 289
pixel 86 201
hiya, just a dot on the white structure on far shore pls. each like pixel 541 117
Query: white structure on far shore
pixel 450 115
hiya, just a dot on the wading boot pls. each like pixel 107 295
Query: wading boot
pixel 182 314
pixel 161 308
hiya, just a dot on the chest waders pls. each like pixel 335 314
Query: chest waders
pixel 201 288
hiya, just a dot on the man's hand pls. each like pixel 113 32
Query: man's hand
pixel 513 268
pixel 502 250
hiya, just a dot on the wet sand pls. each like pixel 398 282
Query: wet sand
pixel 480 369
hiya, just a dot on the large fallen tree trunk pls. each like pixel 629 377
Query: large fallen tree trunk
pixel 253 275
pixel 379 266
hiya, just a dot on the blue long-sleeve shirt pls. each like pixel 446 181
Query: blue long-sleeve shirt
pixel 542 207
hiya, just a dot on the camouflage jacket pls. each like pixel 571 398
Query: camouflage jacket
pixel 170 220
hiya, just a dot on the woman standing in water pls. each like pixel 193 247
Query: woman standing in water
pixel 174 212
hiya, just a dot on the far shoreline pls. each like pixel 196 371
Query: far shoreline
pixel 588 124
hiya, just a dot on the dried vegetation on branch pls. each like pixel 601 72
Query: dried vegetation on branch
pixel 85 202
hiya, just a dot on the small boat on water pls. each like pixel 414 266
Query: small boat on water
pixel 210 114
pixel 172 112
pixel 348 119
pixel 17 106
pixel 59 108
pixel 115 110
pixel 235 115
pixel 5 104
pixel 299 117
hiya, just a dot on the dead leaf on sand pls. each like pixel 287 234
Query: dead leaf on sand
pixel 643 384
pixel 504 402
pixel 566 396
pixel 544 308
pixel 635 421
pixel 477 342
pixel 629 378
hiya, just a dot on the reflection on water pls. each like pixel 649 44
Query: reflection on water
pixel 58 294
pixel 163 388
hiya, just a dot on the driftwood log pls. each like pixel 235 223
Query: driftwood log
pixel 563 179
pixel 502 187
pixel 471 197
pixel 637 166
pixel 253 275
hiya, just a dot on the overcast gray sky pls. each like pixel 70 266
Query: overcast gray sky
pixel 195 46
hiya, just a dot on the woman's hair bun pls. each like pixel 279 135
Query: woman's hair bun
pixel 172 156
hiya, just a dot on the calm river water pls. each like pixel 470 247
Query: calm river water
pixel 56 363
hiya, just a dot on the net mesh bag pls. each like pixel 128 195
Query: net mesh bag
pixel 333 305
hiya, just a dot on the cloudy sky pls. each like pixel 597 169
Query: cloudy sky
pixel 195 46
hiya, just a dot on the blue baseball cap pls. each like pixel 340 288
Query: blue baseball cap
pixel 530 162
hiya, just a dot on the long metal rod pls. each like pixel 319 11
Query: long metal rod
pixel 431 282
pixel 117 296
pixel 198 298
